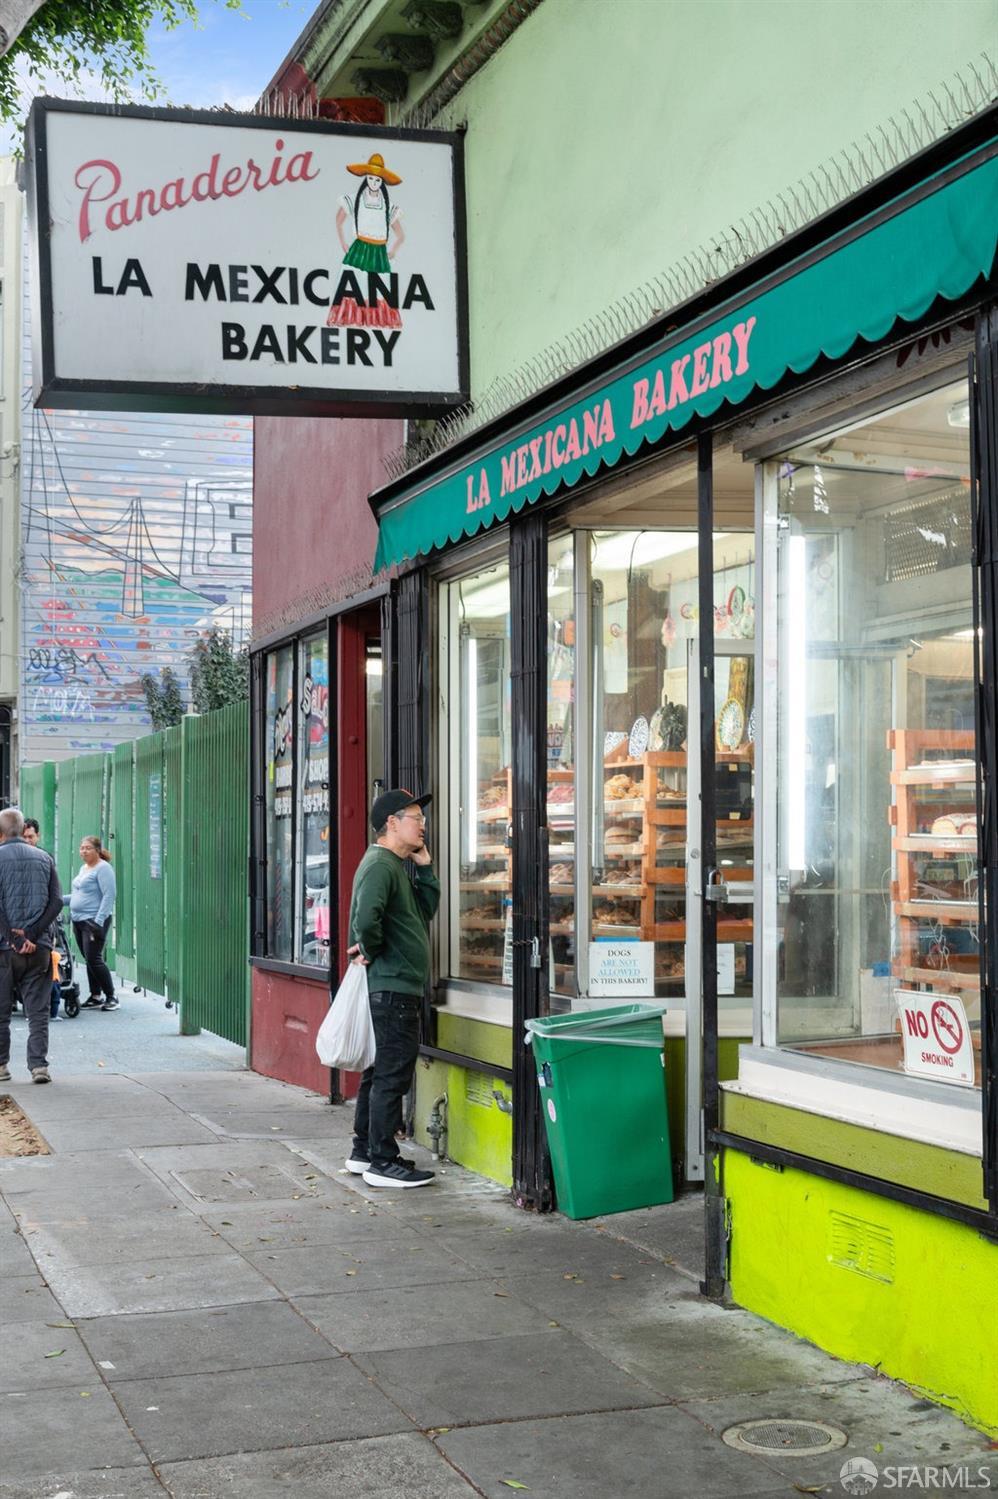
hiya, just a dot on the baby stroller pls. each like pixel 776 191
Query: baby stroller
pixel 68 988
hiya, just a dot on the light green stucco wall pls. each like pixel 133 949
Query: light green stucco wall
pixel 931 1324
pixel 607 140
pixel 949 1174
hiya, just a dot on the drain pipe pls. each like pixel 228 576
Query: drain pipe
pixel 436 1126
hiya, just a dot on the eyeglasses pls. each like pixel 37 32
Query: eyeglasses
pixel 417 817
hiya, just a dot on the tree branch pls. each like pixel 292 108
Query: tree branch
pixel 14 16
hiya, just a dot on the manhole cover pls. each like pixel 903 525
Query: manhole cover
pixel 803 1438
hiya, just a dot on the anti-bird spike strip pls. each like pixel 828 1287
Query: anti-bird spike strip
pixel 848 171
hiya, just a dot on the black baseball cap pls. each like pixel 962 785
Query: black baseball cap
pixel 390 803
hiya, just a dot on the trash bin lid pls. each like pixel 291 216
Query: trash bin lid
pixel 622 1025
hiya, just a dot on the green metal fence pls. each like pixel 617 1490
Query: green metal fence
pixel 88 800
pixel 38 800
pixel 63 850
pixel 89 787
pixel 174 811
pixel 121 839
pixel 147 874
pixel 215 851
pixel 173 808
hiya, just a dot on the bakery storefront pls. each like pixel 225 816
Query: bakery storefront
pixel 696 651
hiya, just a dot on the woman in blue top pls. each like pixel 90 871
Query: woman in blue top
pixel 90 906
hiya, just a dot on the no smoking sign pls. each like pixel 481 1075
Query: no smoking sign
pixel 936 1036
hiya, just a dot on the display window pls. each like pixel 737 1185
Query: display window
pixel 313 912
pixel 645 764
pixel 296 732
pixel 561 731
pixel 622 792
pixel 876 909
pixel 475 628
pixel 279 801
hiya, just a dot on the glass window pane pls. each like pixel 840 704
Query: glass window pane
pixel 561 763
pixel 480 757
pixel 374 681
pixel 313 801
pixel 644 614
pixel 645 624
pixel 878 819
pixel 280 801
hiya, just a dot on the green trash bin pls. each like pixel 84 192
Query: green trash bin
pixel 601 1075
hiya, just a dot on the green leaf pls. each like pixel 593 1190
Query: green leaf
pixel 109 38
pixel 56 1353
pixel 511 1483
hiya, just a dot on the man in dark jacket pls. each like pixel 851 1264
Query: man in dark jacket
pixel 389 919
pixel 30 900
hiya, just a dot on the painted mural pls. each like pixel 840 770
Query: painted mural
pixel 137 535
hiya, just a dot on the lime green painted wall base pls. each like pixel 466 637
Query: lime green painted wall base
pixel 479 1133
pixel 869 1280
pixel 675 1082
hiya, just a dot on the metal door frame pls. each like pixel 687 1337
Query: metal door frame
pixel 696 884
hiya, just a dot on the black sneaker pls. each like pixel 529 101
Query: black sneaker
pixel 357 1164
pixel 94 1002
pixel 110 1004
pixel 400 1173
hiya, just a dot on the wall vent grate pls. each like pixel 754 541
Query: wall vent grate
pixel 866 1248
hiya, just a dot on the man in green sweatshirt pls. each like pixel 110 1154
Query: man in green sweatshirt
pixel 389 920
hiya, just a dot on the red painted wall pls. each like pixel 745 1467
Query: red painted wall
pixel 287 1012
pixel 313 531
pixel 313 544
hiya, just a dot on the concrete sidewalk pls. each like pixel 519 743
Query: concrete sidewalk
pixel 195 1299
pixel 143 1036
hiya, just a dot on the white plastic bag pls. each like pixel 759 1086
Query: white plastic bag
pixel 346 1036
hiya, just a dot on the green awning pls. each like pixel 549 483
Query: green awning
pixel 858 287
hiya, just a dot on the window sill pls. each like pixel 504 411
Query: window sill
pixel 931 1113
pixel 292 970
pixel 495 1006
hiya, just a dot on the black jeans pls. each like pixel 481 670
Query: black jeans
pixel 90 939
pixel 383 1086
pixel 33 976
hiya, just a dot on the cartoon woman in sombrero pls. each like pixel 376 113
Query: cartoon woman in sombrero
pixel 374 218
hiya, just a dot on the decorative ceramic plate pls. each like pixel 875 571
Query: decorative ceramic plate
pixel 731 724
pixel 638 742
pixel 751 727
pixel 612 739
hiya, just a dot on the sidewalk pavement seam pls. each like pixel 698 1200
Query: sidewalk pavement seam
pixel 100 1374
pixel 340 1354
pixel 349 1357
pixel 434 1443
pixel 691 1275
pixel 289 1363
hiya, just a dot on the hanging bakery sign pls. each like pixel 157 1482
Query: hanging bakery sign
pixel 237 263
